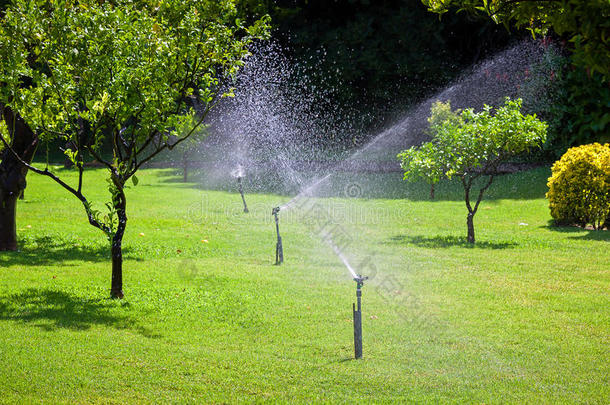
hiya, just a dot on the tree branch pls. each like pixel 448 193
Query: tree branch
pixel 98 157
pixel 166 145
pixel 59 181
pixel 80 177
pixel 481 191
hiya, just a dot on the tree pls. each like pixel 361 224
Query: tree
pixel 585 23
pixel 122 76
pixel 470 145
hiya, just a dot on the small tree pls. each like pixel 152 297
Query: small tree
pixel 122 75
pixel 470 146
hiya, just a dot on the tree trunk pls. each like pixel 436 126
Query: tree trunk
pixel 8 226
pixel 470 224
pixel 432 191
pixel 13 174
pixel 116 287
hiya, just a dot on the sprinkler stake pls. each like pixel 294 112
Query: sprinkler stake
pixel 358 317
pixel 241 191
pixel 279 250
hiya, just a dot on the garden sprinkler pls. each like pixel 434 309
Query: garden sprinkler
pixel 358 317
pixel 241 191
pixel 279 251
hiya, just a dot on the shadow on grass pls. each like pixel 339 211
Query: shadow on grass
pixel 52 310
pixel 53 250
pixel 444 241
pixel 583 234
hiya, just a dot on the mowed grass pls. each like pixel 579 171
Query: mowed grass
pixel 523 317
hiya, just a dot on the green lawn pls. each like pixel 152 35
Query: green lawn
pixel 523 317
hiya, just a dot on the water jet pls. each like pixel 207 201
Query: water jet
pixel 358 317
pixel 279 250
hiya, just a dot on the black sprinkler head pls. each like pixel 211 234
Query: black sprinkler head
pixel 360 280
pixel 275 211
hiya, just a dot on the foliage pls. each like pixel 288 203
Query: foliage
pixel 421 161
pixel 189 147
pixel 470 145
pixel 469 141
pixel 138 75
pixel 116 67
pixel 576 105
pixel 4 132
pixel 585 23
pixel 579 188
pixel 582 108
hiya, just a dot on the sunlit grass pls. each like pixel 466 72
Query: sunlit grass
pixel 521 317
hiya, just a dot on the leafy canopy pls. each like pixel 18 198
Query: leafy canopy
pixel 585 23
pixel 116 65
pixel 468 142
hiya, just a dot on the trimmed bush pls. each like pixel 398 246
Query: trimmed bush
pixel 579 187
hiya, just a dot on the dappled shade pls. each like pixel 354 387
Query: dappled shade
pixel 46 250
pixel 51 309
pixel 443 241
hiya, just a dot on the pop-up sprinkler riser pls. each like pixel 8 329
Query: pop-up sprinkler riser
pixel 358 317
pixel 279 250
pixel 241 191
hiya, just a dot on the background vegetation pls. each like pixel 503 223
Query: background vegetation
pixel 381 57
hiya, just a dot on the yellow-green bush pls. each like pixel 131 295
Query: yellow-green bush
pixel 579 188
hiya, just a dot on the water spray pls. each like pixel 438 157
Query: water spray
pixel 279 250
pixel 358 317
pixel 241 191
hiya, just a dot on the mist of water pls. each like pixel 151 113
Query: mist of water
pixel 238 171
pixel 274 127
pixel 488 83
pixel 272 131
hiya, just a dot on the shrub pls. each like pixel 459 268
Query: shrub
pixel 579 187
